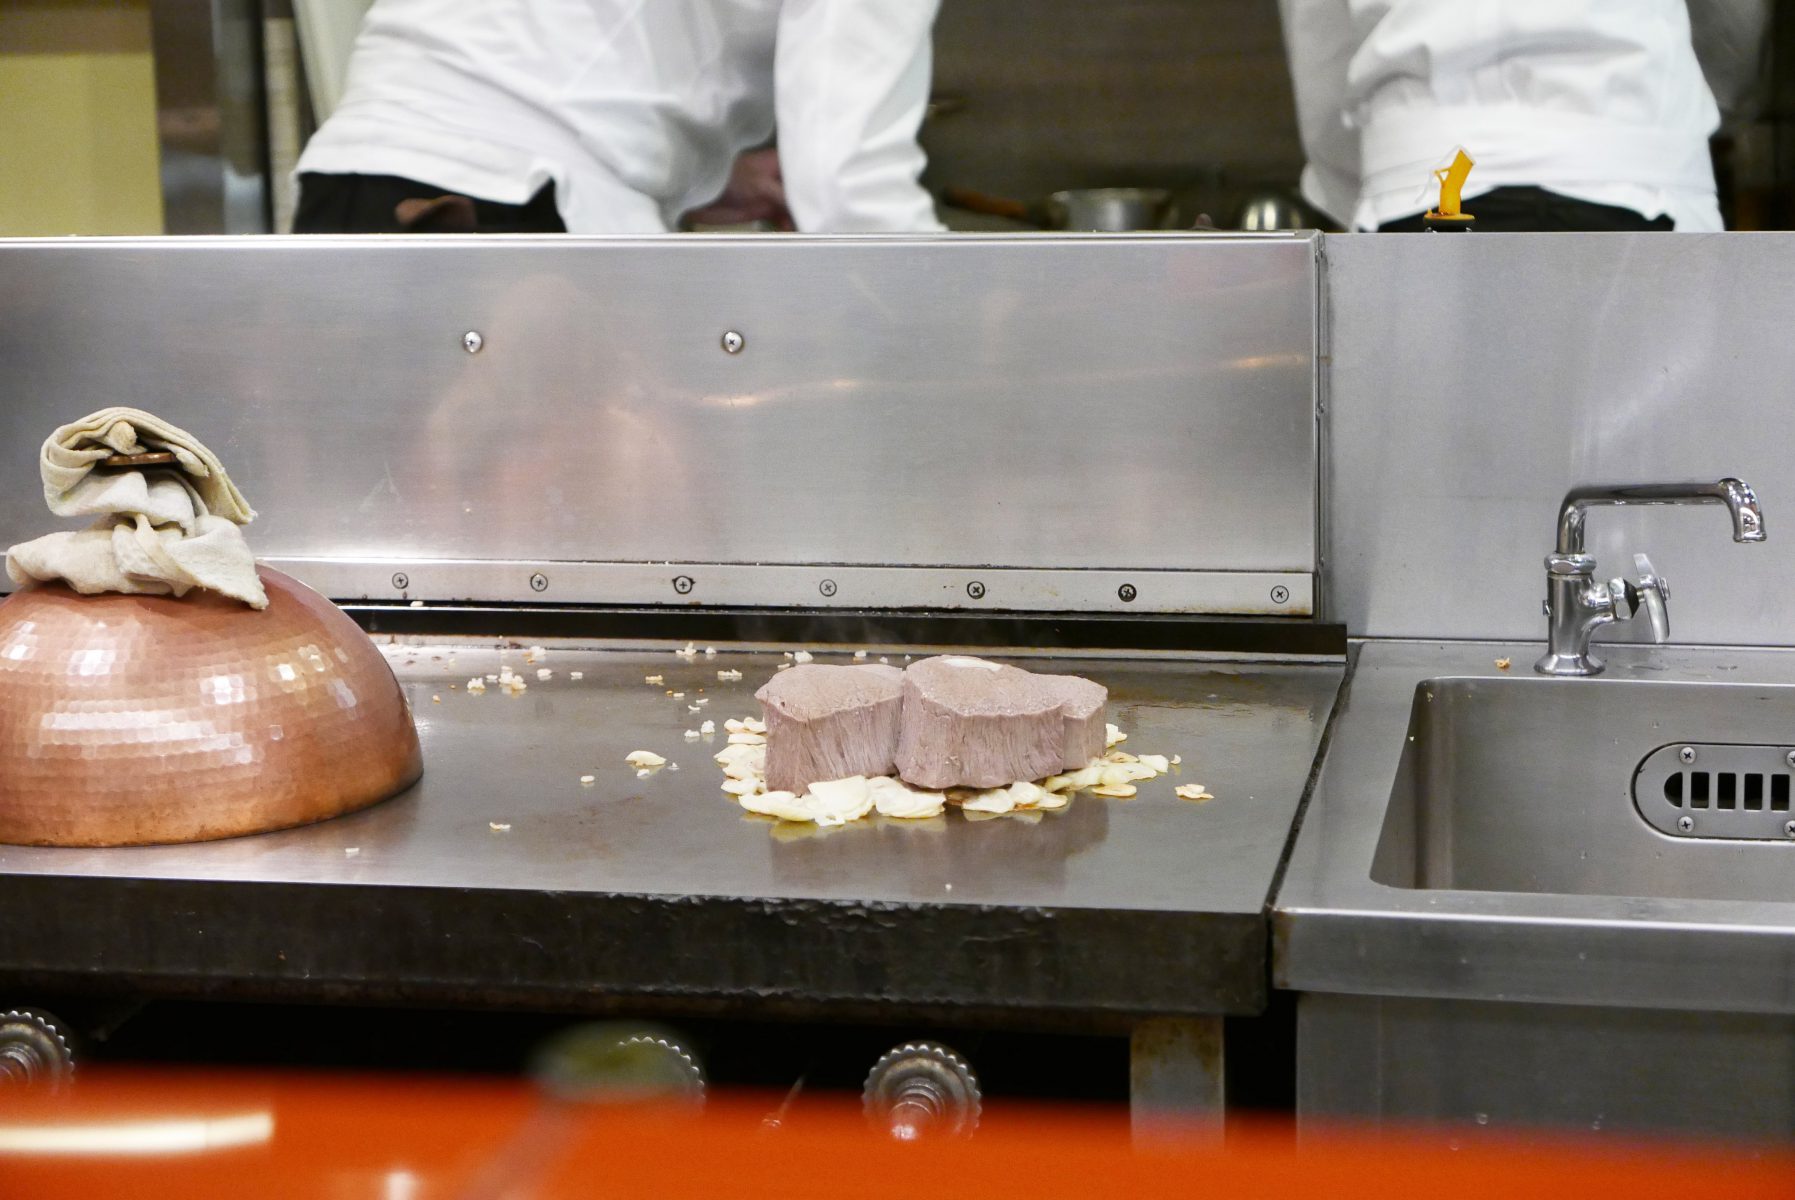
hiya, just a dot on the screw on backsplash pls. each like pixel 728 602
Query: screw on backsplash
pixel 733 342
pixel 539 582
pixel 1686 755
pixel 682 584
pixel 827 587
pixel 1126 593
pixel 471 341
pixel 1280 594
pixel 401 581
pixel 976 590
pixel 1685 824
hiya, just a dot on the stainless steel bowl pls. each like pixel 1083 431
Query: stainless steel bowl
pixel 1112 210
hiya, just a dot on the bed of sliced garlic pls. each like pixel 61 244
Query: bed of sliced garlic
pixel 839 801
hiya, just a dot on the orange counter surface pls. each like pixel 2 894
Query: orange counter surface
pixel 242 1136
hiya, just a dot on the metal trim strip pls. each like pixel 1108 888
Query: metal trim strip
pixel 1260 593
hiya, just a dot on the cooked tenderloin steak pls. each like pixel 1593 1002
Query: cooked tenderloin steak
pixel 1084 706
pixel 976 724
pixel 826 722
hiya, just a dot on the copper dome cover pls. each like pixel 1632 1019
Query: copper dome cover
pixel 127 720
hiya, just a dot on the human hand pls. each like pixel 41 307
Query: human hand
pixel 755 192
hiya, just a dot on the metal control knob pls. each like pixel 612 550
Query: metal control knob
pixel 1654 597
pixel 922 1089
pixel 33 1051
pixel 616 1061
pixel 1647 593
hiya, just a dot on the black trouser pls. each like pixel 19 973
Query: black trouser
pixel 390 204
pixel 1532 209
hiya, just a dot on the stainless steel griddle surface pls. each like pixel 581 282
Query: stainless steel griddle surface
pixel 612 860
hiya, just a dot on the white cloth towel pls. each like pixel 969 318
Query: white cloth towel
pixel 161 531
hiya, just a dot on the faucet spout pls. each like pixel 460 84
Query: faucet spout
pixel 1741 503
pixel 1577 605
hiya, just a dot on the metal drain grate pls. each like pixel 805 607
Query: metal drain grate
pixel 1711 790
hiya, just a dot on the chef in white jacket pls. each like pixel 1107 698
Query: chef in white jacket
pixel 620 116
pixel 1580 114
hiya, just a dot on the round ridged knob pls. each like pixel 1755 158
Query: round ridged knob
pixel 34 1052
pixel 922 1089
pixel 619 1062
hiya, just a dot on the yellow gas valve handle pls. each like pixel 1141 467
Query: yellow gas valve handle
pixel 1452 182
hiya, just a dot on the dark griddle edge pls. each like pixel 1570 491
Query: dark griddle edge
pixel 405 945
pixel 1042 631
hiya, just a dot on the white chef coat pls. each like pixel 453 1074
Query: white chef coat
pixel 636 109
pixel 1598 100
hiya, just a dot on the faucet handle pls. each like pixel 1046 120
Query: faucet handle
pixel 1650 592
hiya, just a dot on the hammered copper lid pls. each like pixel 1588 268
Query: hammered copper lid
pixel 127 720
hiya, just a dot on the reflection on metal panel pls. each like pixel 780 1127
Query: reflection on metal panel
pixel 1474 380
pixel 1114 404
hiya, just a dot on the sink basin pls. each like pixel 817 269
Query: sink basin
pixel 1522 783
pixel 1484 833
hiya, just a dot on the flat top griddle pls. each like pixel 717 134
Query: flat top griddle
pixel 665 885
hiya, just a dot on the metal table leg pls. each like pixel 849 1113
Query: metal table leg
pixel 1176 1073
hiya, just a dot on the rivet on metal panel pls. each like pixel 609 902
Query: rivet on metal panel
pixel 471 341
pixel 1280 594
pixel 976 590
pixel 827 587
pixel 1126 593
pixel 733 342
pixel 401 581
pixel 1685 824
pixel 682 584
pixel 539 582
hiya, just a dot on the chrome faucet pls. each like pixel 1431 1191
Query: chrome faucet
pixel 1576 604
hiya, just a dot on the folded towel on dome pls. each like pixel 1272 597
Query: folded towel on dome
pixel 162 530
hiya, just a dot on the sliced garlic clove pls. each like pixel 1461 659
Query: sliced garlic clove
pixel 898 800
pixel 850 798
pixel 1027 795
pixel 991 800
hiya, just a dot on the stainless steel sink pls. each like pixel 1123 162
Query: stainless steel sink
pixel 1530 784
pixel 1475 832
pixel 1510 901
